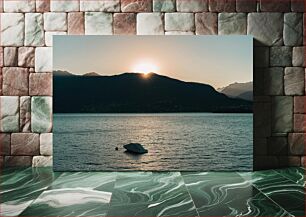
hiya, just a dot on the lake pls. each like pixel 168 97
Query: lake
pixel 175 141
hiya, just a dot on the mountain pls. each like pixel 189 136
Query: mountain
pixel 239 90
pixel 246 95
pixel 91 74
pixel 62 73
pixel 66 73
pixel 131 92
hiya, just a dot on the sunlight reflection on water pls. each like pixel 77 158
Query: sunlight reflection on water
pixel 181 141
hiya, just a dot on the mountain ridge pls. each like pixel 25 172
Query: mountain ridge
pixel 238 90
pixel 132 92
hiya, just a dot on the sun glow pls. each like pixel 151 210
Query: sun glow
pixel 145 68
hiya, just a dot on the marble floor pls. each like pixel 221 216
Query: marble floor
pixel 42 192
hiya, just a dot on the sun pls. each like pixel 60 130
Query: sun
pixel 145 67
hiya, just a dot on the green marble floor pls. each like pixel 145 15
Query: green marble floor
pixel 42 192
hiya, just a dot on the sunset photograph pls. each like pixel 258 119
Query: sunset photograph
pixel 175 103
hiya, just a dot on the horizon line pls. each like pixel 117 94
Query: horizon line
pixel 142 73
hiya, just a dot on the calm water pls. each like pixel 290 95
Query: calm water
pixel 182 141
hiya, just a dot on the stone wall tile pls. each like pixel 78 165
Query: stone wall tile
pixel 304 29
pixel 179 22
pixel 18 161
pixel 278 145
pixel 26 56
pixel 1 157
pixel 136 5
pixel 101 5
pixel 266 28
pixel 46 141
pixel 49 37
pixel 261 56
pixel 222 5
pixel 98 23
pixel 280 56
pixel 262 120
pixel 9 114
pixel 259 81
pixel 296 143
pixel 40 84
pixel 260 146
pixel 25 144
pixel 5 144
pixel 274 81
pixel 282 117
pixel 179 33
pixel 246 5
pixel 206 23
pixel 289 161
pixel 298 6
pixel 303 161
pixel 25 114
pixel 232 24
pixel 64 6
pixel 1 10
pixel 280 134
pixel 164 5
pixel 299 123
pixel 42 5
pixel 15 81
pixel 55 21
pixel 299 104
pixel 305 81
pixel 1 56
pixel 10 56
pixel 19 6
pixel 12 29
pixel 272 6
pixel 1 81
pixel 124 24
pixel 34 30
pixel 150 24
pixel 265 162
pixel 294 81
pixel 293 29
pixel 191 5
pixel 299 56
pixel 43 59
pixel 41 114
pixel 42 161
pixel 76 23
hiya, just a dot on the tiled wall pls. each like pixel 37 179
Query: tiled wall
pixel 27 27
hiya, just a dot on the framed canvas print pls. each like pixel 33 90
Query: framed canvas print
pixel 153 103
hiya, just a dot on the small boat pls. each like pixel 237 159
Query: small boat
pixel 135 148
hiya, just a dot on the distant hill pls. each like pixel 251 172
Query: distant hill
pixel 246 95
pixel 91 74
pixel 239 90
pixel 62 73
pixel 131 92
pixel 66 73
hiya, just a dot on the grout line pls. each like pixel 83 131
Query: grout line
pixel 48 186
pixel 115 180
pixel 190 195
pixel 291 180
pixel 266 195
pixel 272 200
pixel 110 200
pixel 184 185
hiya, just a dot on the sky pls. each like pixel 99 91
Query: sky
pixel 214 60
